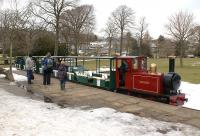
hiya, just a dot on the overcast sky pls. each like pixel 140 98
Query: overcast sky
pixel 156 12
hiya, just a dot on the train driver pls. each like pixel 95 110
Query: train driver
pixel 123 69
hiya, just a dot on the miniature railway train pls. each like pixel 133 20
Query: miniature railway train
pixel 128 73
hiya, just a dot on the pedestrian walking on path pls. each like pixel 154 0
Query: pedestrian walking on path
pixel 62 75
pixel 47 65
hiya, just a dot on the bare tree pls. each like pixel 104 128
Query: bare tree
pixel 123 18
pixel 79 20
pixel 128 42
pixel 32 27
pixel 3 30
pixel 110 32
pixel 180 28
pixel 12 21
pixel 50 12
pixel 142 29
pixel 9 25
pixel 89 35
pixel 197 38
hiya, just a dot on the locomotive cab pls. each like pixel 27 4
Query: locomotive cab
pixel 126 67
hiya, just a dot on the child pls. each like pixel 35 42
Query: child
pixel 62 75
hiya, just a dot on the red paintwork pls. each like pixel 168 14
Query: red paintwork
pixel 141 80
pixel 177 99
pixel 148 83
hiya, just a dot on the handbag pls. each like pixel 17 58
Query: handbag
pixel 65 75
pixel 32 77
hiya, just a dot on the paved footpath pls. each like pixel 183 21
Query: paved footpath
pixel 80 95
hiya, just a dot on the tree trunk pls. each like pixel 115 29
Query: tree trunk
pixel 127 45
pixel 3 52
pixel 76 43
pixel 181 53
pixel 140 46
pixel 198 53
pixel 10 74
pixel 57 38
pixel 110 42
pixel 28 44
pixel 56 43
pixel 121 42
pixel 76 47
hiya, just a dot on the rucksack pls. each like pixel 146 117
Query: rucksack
pixel 49 63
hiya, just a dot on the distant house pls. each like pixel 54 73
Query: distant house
pixel 98 44
pixel 99 48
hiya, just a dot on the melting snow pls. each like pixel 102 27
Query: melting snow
pixel 2 76
pixel 19 78
pixel 21 116
pixel 192 92
pixel 13 69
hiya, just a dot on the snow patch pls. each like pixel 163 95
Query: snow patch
pixel 19 78
pixel 12 83
pixel 13 69
pixel 2 76
pixel 22 116
pixel 192 92
pixel 196 64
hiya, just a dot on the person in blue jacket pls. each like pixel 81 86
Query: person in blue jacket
pixel 47 65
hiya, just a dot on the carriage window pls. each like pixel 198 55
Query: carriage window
pixel 135 64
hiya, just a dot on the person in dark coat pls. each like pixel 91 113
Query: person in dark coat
pixel 123 69
pixel 47 65
pixel 62 75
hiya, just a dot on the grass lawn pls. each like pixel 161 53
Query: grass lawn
pixel 91 64
pixel 1 61
pixel 190 71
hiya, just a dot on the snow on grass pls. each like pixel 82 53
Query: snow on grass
pixel 19 78
pixel 13 69
pixel 192 92
pixel 2 76
pixel 25 117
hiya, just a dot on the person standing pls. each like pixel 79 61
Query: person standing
pixel 47 65
pixel 123 70
pixel 29 68
pixel 62 75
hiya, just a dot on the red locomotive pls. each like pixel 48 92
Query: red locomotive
pixel 132 75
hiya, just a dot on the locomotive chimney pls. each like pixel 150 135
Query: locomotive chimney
pixel 171 63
